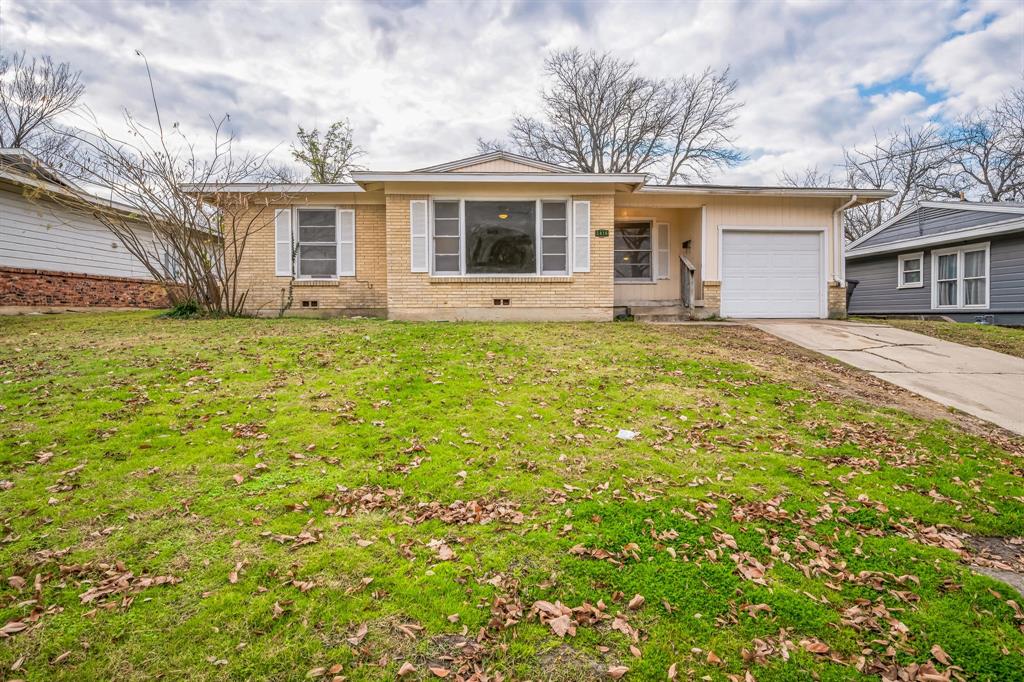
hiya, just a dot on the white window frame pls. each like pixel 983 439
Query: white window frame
pixel 961 288
pixel 653 279
pixel 538 236
pixel 298 244
pixel 900 271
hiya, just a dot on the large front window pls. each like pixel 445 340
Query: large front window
pixel 500 237
pixel 633 245
pixel 317 243
pixel 961 277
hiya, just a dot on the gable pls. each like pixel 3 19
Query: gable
pixel 499 166
pixel 496 162
pixel 933 221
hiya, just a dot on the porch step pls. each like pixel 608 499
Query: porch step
pixel 660 313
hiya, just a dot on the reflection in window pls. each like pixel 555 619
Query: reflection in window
pixel 633 251
pixel 501 237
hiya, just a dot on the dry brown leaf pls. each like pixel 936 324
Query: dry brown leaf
pixel 617 671
pixel 636 602
pixel 940 655
pixel 562 626
pixel 633 649
pixel 357 638
pixel 406 668
pixel 440 672
pixel 672 673
pixel 713 659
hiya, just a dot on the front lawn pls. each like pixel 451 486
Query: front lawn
pixel 306 499
pixel 1009 340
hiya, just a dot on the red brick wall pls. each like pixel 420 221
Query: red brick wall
pixel 21 287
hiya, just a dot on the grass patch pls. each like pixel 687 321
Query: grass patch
pixel 352 497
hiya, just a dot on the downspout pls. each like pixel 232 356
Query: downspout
pixel 837 227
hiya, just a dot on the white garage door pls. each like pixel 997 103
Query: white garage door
pixel 771 274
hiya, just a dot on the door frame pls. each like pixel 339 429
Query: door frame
pixel 822 259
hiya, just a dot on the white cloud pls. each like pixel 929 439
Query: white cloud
pixel 422 80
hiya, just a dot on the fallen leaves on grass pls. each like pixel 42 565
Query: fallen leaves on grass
pixel 120 581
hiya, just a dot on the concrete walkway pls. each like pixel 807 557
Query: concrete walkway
pixel 978 381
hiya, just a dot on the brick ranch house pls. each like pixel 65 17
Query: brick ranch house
pixel 503 237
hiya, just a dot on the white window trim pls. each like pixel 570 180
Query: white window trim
pixel 960 288
pixel 653 279
pixel 298 245
pixel 538 235
pixel 901 259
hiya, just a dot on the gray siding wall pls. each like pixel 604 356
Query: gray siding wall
pixel 876 292
pixel 928 222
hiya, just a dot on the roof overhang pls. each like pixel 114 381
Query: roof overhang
pixel 372 180
pixel 990 230
pixel 864 196
pixel 209 189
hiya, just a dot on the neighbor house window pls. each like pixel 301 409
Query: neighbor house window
pixel 317 241
pixel 500 237
pixel 911 270
pixel 961 277
pixel 633 246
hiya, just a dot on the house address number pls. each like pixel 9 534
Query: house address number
pixel 600 233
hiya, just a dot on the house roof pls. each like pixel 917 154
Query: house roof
pixel 505 167
pixel 488 157
pixel 939 222
pixel 18 165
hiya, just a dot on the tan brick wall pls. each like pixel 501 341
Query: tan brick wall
pixel 712 300
pixel 580 296
pixel 836 300
pixel 364 294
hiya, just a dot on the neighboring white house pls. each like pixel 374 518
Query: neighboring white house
pixel 53 257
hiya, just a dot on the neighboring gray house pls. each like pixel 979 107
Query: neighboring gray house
pixel 961 260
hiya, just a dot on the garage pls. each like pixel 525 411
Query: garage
pixel 769 273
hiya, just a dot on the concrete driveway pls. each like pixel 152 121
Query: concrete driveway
pixel 981 382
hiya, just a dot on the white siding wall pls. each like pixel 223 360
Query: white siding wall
pixel 45 236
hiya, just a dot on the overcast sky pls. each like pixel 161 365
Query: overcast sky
pixel 420 81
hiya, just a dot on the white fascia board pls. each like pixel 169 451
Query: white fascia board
pixel 965 206
pixel 768 191
pixel 935 240
pixel 540 177
pixel 283 188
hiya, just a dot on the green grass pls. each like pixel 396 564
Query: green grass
pixel 524 416
pixel 1009 340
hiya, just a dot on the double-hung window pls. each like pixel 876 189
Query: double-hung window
pixel 633 248
pixel 960 277
pixel 500 237
pixel 911 270
pixel 317 243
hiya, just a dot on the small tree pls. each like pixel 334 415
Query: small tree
pixel 330 159
pixel 33 93
pixel 171 205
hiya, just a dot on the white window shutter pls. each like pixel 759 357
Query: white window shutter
pixel 663 250
pixel 418 252
pixel 346 242
pixel 283 242
pixel 581 236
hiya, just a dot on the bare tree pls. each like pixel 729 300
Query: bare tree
pixel 987 153
pixel 704 111
pixel 910 161
pixel 169 203
pixel 330 159
pixel 602 116
pixel 33 93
